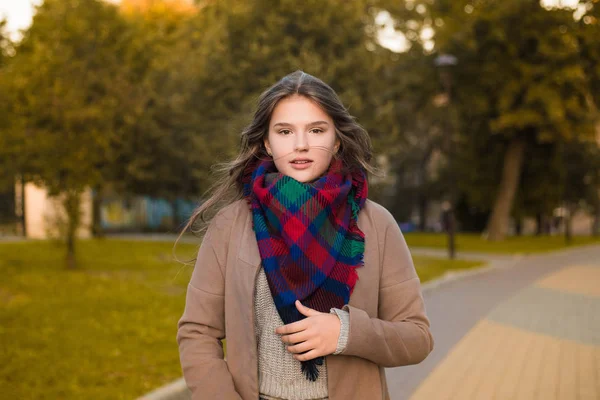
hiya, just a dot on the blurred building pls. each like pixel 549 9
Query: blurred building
pixel 33 214
pixel 42 215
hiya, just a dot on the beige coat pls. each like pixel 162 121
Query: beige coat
pixel 388 325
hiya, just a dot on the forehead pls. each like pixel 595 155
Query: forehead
pixel 298 110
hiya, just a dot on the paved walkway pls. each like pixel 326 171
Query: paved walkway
pixel 527 330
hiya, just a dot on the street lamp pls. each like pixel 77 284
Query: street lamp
pixel 444 63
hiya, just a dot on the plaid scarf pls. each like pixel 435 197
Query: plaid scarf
pixel 308 238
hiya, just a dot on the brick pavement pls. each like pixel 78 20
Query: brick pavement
pixel 543 342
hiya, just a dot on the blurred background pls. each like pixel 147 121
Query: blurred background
pixel 483 115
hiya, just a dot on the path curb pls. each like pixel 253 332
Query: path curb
pixel 176 390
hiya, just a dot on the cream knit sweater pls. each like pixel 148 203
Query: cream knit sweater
pixel 279 374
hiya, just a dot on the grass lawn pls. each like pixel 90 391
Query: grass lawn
pixel 474 242
pixel 429 268
pixel 106 331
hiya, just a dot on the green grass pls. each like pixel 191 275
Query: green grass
pixel 474 242
pixel 106 331
pixel 429 268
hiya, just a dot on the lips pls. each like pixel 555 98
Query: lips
pixel 301 161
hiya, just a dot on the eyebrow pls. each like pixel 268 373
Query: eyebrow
pixel 310 124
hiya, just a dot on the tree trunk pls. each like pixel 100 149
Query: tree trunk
pixel 451 234
pixel 511 171
pixel 175 221
pixel 72 206
pixel 22 216
pixel 596 225
pixel 539 224
pixel 518 226
pixel 422 212
pixel 70 259
pixel 568 225
pixel 97 230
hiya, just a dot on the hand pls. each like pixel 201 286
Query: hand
pixel 317 334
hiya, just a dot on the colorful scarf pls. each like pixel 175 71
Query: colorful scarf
pixel 308 238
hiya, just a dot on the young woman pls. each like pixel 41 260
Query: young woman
pixel 311 283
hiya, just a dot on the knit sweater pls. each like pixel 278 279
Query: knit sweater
pixel 279 374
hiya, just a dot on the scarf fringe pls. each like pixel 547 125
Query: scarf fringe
pixel 309 368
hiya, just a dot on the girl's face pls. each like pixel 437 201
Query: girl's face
pixel 301 138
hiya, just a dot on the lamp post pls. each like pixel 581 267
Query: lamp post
pixel 444 64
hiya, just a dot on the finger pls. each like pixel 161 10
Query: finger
pixel 295 337
pixel 300 347
pixel 294 327
pixel 309 312
pixel 307 356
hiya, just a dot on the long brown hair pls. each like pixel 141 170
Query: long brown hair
pixel 355 144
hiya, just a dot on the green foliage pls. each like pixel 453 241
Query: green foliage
pixel 146 101
pixel 246 47
pixel 542 184
pixel 5 42
pixel 532 79
pixel 6 149
pixel 197 76
pixel 66 85
pixel 523 70
pixel 156 152
pixel 66 82
pixel 588 33
pixel 581 161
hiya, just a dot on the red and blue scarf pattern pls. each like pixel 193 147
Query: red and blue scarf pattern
pixel 308 237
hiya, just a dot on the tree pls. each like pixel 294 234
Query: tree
pixel 156 154
pixel 231 51
pixel 68 83
pixel 7 165
pixel 545 99
pixel 518 88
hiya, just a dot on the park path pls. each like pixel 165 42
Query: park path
pixel 529 328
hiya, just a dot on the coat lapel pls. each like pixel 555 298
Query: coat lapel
pixel 248 246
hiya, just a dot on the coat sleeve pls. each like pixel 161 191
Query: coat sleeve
pixel 202 326
pixel 400 335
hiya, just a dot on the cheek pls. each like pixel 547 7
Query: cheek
pixel 280 146
pixel 322 162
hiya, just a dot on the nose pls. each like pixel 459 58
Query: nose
pixel 301 142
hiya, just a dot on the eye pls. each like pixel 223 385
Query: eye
pixel 283 131
pixel 318 130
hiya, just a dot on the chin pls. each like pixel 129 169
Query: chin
pixel 302 177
